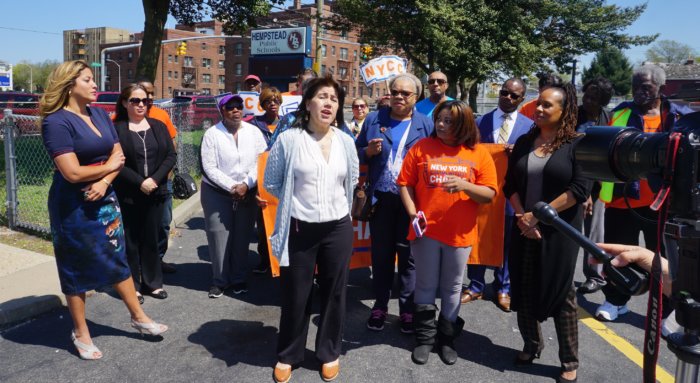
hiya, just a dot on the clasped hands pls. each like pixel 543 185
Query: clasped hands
pixel 527 223
pixel 239 191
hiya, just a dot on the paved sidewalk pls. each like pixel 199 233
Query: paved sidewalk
pixel 29 283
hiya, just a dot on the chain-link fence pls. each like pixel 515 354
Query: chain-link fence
pixel 27 170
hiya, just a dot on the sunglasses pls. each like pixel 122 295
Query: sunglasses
pixel 403 93
pixel 511 95
pixel 136 101
pixel 359 106
pixel 233 105
pixel 270 101
pixel 437 81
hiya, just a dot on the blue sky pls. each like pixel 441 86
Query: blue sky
pixel 34 32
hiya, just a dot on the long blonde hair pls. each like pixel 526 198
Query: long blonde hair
pixel 58 86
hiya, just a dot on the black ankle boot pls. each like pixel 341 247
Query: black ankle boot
pixel 447 332
pixel 425 330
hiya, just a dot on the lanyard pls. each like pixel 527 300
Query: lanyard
pixel 396 160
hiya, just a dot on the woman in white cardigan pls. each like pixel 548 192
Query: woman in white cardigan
pixel 230 151
pixel 312 170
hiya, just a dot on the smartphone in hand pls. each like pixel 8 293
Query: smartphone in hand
pixel 420 224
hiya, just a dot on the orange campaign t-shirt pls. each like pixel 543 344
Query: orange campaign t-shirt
pixel 451 216
pixel 529 108
pixel 646 195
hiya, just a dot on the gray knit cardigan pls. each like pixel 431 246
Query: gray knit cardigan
pixel 279 181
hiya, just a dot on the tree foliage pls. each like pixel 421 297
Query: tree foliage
pixel 22 75
pixel 612 64
pixel 670 51
pixel 236 16
pixel 472 40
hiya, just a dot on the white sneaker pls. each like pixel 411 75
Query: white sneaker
pixel 670 326
pixel 609 312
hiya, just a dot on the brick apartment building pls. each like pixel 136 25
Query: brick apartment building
pixel 218 65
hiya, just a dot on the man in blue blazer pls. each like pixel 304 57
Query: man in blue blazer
pixel 502 125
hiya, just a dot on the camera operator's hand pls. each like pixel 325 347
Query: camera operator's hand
pixel 626 254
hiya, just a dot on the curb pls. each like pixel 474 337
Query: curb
pixel 29 284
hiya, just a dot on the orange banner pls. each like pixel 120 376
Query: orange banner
pixel 361 256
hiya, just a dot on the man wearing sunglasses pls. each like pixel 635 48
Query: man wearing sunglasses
pixel 437 85
pixel 503 125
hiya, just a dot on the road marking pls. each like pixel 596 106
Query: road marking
pixel 620 344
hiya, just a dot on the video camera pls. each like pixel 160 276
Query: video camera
pixel 613 154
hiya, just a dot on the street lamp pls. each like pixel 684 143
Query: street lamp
pixel 119 71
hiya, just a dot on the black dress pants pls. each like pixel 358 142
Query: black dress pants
pixel 328 246
pixel 142 221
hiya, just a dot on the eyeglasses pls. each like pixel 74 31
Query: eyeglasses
pixel 439 81
pixel 363 106
pixel 136 101
pixel 511 95
pixel 403 93
pixel 233 105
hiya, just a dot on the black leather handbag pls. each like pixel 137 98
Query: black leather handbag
pixel 184 186
pixel 362 208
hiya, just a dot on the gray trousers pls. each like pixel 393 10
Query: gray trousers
pixel 228 235
pixel 439 269
pixel 594 230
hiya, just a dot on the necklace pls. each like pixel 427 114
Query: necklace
pixel 145 152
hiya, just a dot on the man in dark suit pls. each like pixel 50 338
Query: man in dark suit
pixel 503 125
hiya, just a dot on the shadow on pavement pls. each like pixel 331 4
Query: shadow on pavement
pixel 236 341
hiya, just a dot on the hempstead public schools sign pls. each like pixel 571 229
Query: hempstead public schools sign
pixel 279 41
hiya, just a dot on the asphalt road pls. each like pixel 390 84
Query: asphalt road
pixel 233 338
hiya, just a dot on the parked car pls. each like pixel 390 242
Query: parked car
pixel 106 101
pixel 202 112
pixel 26 104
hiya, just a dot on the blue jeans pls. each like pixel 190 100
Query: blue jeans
pixel 501 283
pixel 164 232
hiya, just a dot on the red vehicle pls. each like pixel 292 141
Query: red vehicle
pixel 106 101
pixel 26 104
pixel 202 112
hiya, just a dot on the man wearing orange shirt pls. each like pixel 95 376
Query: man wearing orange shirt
pixel 303 75
pixel 546 80
pixel 651 112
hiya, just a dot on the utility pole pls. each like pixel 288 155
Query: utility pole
pixel 573 73
pixel 319 14
pixel 119 70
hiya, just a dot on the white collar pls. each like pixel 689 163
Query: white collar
pixel 498 114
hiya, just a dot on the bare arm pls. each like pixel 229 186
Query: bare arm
pixel 478 193
pixel 73 172
pixel 408 197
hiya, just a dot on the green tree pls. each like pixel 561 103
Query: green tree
pixel 22 76
pixel 669 51
pixel 612 64
pixel 472 40
pixel 237 15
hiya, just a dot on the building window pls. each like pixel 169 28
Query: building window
pixel 323 69
pixel 177 75
pixel 177 58
pixel 345 89
pixel 170 75
pixel 354 73
pixel 323 32
pixel 187 61
pixel 323 50
pixel 354 91
pixel 206 78
pixel 170 58
pixel 221 64
pixel 170 90
pixel 362 91
pixel 342 72
pixel 238 87
pixel 238 51
pixel 343 35
pixel 343 53
pixel 130 74
pixel 222 49
pixel 206 91
pixel 204 46
pixel 239 69
pixel 130 57
pixel 333 51
pixel 354 55
pixel 222 79
pixel 206 63
pixel 333 69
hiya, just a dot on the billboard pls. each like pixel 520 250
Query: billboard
pixel 280 41
pixel 5 76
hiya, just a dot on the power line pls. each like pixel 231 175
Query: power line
pixel 30 30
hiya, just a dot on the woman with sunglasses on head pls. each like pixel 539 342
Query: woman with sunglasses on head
pixel 230 151
pixel 312 169
pixel 386 137
pixel 86 227
pixel 360 108
pixel 142 186
pixel 542 261
pixel 446 177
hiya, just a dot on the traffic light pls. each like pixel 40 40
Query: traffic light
pixel 366 52
pixel 182 49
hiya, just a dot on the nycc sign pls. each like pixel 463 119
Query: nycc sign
pixel 382 68
pixel 278 41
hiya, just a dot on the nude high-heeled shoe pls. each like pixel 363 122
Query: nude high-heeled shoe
pixel 86 351
pixel 151 328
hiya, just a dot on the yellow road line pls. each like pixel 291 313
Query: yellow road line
pixel 620 344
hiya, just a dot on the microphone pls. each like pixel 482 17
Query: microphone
pixel 630 280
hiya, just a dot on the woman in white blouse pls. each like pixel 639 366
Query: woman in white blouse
pixel 312 170
pixel 230 151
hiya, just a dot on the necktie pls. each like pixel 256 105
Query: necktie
pixel 504 131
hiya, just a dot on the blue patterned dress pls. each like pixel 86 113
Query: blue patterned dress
pixel 88 237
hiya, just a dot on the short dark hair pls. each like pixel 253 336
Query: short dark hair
pixel 604 88
pixel 309 93
pixel 549 79
pixel 466 130
pixel 307 71
pixel 122 114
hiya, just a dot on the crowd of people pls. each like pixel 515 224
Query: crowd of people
pixel 428 170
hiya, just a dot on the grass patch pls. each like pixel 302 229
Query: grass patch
pixel 26 241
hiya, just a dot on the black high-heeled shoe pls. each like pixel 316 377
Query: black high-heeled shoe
pixel 159 295
pixel 525 362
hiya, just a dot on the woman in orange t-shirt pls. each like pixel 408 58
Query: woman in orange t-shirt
pixel 445 176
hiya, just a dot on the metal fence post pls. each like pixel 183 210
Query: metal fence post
pixel 10 170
